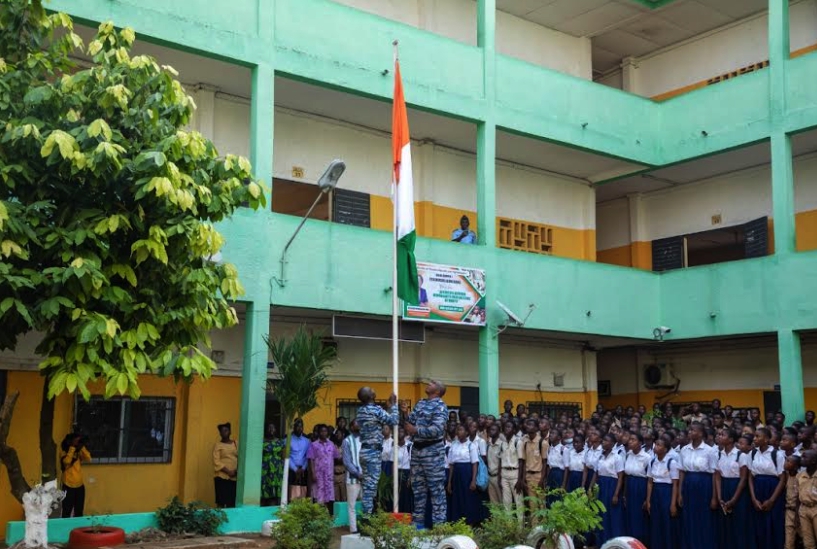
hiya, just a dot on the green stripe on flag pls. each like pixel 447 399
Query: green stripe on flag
pixel 408 285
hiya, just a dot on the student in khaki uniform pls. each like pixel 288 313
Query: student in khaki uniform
pixel 807 492
pixel 791 467
pixel 493 462
pixel 510 485
pixel 533 451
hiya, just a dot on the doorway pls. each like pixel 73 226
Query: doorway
pixel 469 400
pixel 772 402
pixel 273 416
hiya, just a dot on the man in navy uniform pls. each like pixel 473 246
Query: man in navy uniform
pixel 426 427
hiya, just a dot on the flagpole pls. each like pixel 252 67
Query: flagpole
pixel 395 335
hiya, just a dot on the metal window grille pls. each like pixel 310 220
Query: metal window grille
pixel 554 409
pixel 122 430
pixel 348 407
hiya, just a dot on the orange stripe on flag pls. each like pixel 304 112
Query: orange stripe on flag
pixel 400 128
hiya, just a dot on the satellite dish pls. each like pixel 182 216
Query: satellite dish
pixel 511 315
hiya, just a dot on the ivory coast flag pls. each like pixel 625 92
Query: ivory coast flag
pixel 408 286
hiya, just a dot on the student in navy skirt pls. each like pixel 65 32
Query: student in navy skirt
pixel 556 463
pixel 767 486
pixel 662 497
pixel 732 493
pixel 609 476
pixel 697 499
pixel 591 457
pixel 636 467
pixel 463 458
pixel 574 464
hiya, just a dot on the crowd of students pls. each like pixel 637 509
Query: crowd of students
pixel 674 478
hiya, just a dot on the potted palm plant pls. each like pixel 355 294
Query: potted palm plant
pixel 301 363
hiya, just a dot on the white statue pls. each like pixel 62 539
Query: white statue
pixel 38 505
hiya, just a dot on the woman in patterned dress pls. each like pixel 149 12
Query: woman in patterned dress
pixel 272 468
pixel 322 454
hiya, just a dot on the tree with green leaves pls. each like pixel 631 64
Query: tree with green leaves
pixel 108 207
pixel 301 361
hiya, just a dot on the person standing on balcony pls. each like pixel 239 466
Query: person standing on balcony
pixel 372 418
pixel 464 235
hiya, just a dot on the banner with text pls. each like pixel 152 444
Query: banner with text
pixel 451 295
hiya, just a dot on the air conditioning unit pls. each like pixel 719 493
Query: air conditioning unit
pixel 659 376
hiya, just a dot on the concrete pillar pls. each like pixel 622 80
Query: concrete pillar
pixel 782 171
pixel 262 113
pixel 253 403
pixel 629 74
pixel 791 375
pixel 486 205
pixel 205 116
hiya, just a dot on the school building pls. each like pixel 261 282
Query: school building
pixel 641 176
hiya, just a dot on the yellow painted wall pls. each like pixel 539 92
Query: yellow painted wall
pixel 435 221
pixel 129 487
pixel 806 227
pixel 637 254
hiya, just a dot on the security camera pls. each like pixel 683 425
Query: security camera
pixel 660 332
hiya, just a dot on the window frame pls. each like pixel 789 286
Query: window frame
pixel 120 459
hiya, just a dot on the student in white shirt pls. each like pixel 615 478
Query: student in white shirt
pixel 767 489
pixel 350 450
pixel 662 497
pixel 387 453
pixel 636 467
pixel 697 498
pixel 462 479
pixel 731 478
pixel 406 502
pixel 591 457
pixel 609 475
pixel 574 460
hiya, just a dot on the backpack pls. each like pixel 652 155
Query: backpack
pixel 482 472
pixel 774 457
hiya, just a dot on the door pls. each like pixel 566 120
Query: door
pixel 771 403
pixel 757 238
pixel 668 253
pixel 469 400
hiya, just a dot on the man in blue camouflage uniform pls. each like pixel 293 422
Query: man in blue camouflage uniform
pixel 371 418
pixel 426 425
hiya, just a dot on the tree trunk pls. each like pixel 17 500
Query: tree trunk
pixel 48 448
pixel 8 455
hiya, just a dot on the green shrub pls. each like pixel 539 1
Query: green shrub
pixel 303 525
pixel 502 529
pixel 194 518
pixel 386 532
pixel 572 513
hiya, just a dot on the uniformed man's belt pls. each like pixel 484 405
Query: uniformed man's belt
pixel 808 504
pixel 420 444
pixel 367 446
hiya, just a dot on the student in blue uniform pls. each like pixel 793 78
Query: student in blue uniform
pixel 662 498
pixel 636 467
pixel 767 486
pixel 731 490
pixel 697 499
pixel 462 480
pixel 574 462
pixel 609 475
pixel 555 464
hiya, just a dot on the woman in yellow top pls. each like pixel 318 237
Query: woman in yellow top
pixel 225 465
pixel 74 453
